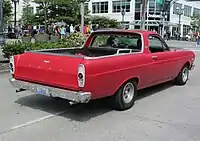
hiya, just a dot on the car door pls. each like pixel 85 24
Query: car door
pixel 161 59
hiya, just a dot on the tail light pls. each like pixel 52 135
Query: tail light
pixel 81 75
pixel 12 65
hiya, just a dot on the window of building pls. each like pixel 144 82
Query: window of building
pixel 100 7
pixel 137 5
pixel 86 6
pixel 158 8
pixel 151 6
pixel 175 7
pixel 137 9
pixel 186 29
pixel 37 10
pixel 196 11
pixel 118 5
pixel 28 10
pixel 187 10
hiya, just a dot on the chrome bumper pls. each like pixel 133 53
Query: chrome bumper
pixel 192 66
pixel 79 97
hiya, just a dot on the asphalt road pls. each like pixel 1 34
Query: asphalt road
pixel 161 113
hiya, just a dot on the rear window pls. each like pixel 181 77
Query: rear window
pixel 120 41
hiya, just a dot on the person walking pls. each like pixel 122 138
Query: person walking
pixel 63 32
pixel 198 38
pixel 71 28
pixel 57 30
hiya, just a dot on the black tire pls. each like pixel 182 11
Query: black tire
pixel 183 76
pixel 119 100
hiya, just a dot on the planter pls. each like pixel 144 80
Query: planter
pixel 54 38
pixel 26 39
pixel 42 38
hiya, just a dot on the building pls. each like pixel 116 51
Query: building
pixel 132 18
pixel 19 10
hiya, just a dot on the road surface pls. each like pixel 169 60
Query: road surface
pixel 162 113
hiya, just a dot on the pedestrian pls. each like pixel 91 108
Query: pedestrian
pixel 63 32
pixel 57 30
pixel 198 38
pixel 168 35
pixel 50 31
pixel 9 29
pixel 67 30
pixel 71 29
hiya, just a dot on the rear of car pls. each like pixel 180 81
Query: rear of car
pixel 50 75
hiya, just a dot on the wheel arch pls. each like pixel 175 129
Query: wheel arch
pixel 187 63
pixel 135 78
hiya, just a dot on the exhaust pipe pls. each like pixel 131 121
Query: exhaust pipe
pixel 20 90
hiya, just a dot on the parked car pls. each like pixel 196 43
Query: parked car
pixel 111 63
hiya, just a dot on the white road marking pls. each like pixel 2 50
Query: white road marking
pixel 37 120
pixel 195 50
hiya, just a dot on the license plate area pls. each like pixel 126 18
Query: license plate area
pixel 42 91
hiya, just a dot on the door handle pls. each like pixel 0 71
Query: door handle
pixel 154 57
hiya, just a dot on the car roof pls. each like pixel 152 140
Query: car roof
pixel 111 30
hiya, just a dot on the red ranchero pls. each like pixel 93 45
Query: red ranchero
pixel 112 63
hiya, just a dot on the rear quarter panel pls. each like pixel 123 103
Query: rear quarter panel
pixel 181 58
pixel 104 76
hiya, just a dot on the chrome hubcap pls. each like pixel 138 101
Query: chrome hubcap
pixel 185 73
pixel 128 92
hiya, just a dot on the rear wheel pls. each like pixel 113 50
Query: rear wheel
pixel 125 97
pixel 183 76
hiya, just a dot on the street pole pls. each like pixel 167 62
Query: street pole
pixel 15 6
pixel 143 17
pixel 123 14
pixel 163 23
pixel 15 12
pixel 123 20
pixel 82 16
pixel 179 22
pixel 1 24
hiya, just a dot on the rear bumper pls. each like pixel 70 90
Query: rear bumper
pixel 192 66
pixel 79 97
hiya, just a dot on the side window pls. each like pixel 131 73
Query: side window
pixel 155 44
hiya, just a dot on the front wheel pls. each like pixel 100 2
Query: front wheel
pixel 125 97
pixel 183 76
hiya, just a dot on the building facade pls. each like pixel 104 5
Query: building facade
pixel 19 10
pixel 180 9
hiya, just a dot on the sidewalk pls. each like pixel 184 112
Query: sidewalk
pixel 1 55
pixel 181 44
pixel 4 66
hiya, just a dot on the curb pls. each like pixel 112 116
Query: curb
pixel 6 67
pixel 4 71
pixel 4 61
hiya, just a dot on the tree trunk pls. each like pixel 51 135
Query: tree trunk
pixel 143 17
pixel 45 16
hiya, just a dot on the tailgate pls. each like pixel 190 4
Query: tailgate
pixel 53 70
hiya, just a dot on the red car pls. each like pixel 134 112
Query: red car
pixel 111 63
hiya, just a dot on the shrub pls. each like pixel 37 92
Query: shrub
pixel 73 40
pixel 104 22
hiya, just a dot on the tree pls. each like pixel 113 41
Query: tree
pixel 104 22
pixel 196 21
pixel 52 11
pixel 27 15
pixel 7 10
pixel 43 4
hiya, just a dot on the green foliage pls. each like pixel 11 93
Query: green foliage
pixel 74 40
pixel 104 22
pixel 59 10
pixel 7 10
pixel 27 15
pixel 196 21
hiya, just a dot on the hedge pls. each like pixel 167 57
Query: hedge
pixel 74 40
